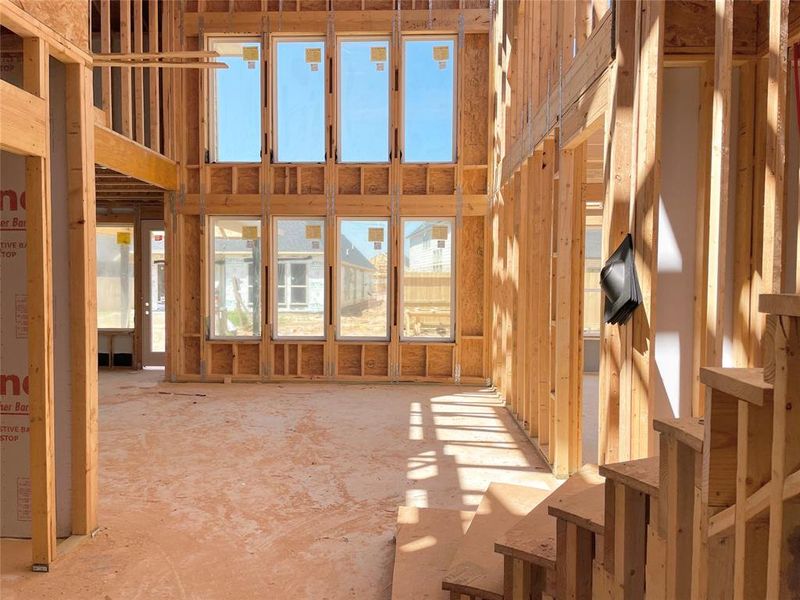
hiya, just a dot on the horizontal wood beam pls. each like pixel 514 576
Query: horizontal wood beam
pixel 125 156
pixel 22 121
pixel 316 21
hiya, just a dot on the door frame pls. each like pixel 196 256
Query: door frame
pixel 149 358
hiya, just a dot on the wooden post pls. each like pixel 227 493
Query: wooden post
pixel 83 297
pixel 36 76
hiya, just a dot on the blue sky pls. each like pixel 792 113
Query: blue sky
pixel 358 234
pixel 364 89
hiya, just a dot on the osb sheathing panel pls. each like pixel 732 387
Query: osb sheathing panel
pixel 475 107
pixel 190 268
pixel 442 180
pixel 292 349
pixel 376 360
pixel 247 180
pixel 221 180
pixel 313 359
pixel 412 360
pixel 278 359
pixel 440 361
pixel 689 24
pixel 471 276
pixel 376 180
pixel 313 180
pixel 348 360
pixel 70 18
pixel 247 359
pixel 246 5
pixel 221 359
pixel 191 355
pixel 349 180
pixel 414 180
pixel 191 112
pixel 472 358
pixel 474 181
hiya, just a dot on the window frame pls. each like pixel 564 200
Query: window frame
pixel 274 41
pixel 211 112
pixel 402 84
pixel 363 38
pixel 339 287
pixel 401 283
pixel 275 336
pixel 211 335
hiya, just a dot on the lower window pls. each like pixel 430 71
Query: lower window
pixel 427 279
pixel 363 265
pixel 115 276
pixel 299 278
pixel 236 273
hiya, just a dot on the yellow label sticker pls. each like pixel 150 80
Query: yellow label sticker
pixel 124 238
pixel 375 234
pixel 441 53
pixel 249 232
pixel 250 53
pixel 313 55
pixel 377 53
pixel 313 232
pixel 439 232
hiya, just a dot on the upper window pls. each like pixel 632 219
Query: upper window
pixel 428 99
pixel 592 294
pixel 299 113
pixel 427 279
pixel 236 273
pixel 364 100
pixel 235 106
pixel 115 272
pixel 299 278
pixel 363 278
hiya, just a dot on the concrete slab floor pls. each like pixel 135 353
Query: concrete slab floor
pixel 272 491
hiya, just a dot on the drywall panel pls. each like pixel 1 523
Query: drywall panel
pixel 676 243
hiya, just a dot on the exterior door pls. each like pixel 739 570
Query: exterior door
pixel 154 301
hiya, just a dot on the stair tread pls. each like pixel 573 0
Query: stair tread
pixel 533 538
pixel 426 541
pixel 688 430
pixel 745 384
pixel 586 509
pixel 475 568
pixel 780 304
pixel 641 474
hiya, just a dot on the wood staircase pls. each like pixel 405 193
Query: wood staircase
pixel 715 515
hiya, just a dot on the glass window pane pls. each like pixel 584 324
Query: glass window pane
pixel 300 95
pixel 236 111
pixel 364 100
pixel 236 260
pixel 300 256
pixel 158 296
pixel 427 284
pixel 363 278
pixel 428 88
pixel 115 274
pixel 592 294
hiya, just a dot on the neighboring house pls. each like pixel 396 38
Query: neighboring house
pixel 425 254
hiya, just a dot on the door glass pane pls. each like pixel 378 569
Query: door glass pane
pixel 236 116
pixel 158 297
pixel 428 99
pixel 363 278
pixel 364 102
pixel 300 95
pixel 115 276
pixel 300 256
pixel 236 307
pixel 427 283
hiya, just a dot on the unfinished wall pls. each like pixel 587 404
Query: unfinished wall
pixel 394 190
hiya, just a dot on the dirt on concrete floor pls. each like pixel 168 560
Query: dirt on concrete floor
pixel 272 491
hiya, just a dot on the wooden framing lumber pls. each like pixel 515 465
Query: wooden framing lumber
pixel 22 121
pixel 125 156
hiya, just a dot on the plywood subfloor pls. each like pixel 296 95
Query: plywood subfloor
pixel 266 491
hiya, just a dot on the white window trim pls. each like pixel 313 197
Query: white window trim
pixel 401 284
pixel 339 286
pixel 211 335
pixel 363 38
pixel 274 292
pixel 402 131
pixel 211 109
pixel 274 41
